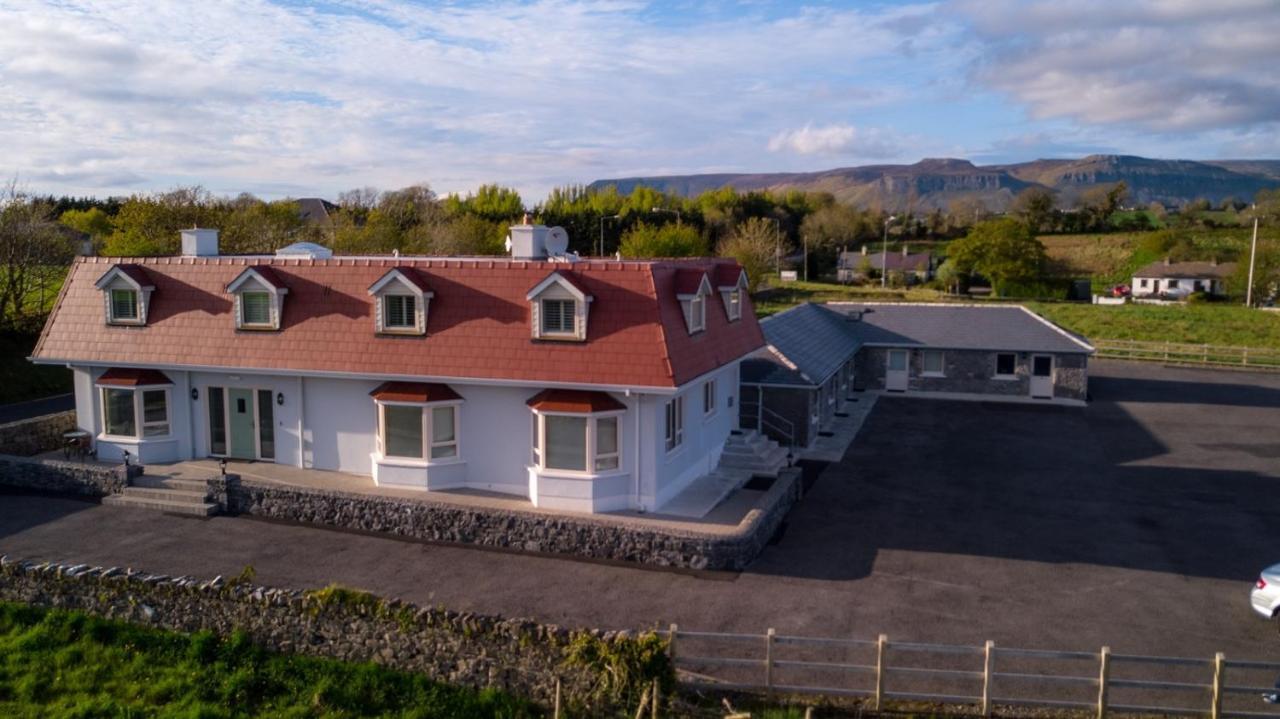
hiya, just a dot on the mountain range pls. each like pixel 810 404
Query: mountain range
pixel 936 183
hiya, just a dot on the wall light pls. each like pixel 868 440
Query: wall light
pixel 195 394
pixel 280 398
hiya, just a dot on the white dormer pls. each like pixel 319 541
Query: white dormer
pixel 126 294
pixel 558 309
pixel 259 298
pixel 692 289
pixel 732 288
pixel 401 298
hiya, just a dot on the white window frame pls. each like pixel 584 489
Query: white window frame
pixel 674 418
pixel 996 370
pixel 571 331
pixel 139 417
pixel 426 411
pixel 411 326
pixel 942 363
pixel 244 320
pixel 558 287
pixel 735 304
pixel 697 313
pixel 115 319
pixel 709 398
pixel 593 456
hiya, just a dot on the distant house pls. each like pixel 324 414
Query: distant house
pixel 917 267
pixel 1182 278
pixel 816 354
pixel 316 211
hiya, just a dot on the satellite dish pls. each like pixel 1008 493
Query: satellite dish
pixel 557 241
pixel 507 243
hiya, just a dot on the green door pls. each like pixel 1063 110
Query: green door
pixel 240 409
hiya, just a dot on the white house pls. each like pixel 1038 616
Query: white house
pixel 1182 278
pixel 585 385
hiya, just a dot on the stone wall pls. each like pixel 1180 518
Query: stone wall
pixel 629 539
pixel 89 479
pixel 518 656
pixel 795 406
pixel 38 434
pixel 972 372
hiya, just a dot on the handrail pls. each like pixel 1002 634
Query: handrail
pixel 770 417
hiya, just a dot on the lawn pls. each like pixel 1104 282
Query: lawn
pixel 1213 324
pixel 781 296
pixel 55 663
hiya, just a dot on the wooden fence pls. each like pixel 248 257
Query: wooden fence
pixel 984 677
pixel 1253 358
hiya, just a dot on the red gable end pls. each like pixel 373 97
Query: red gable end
pixel 478 326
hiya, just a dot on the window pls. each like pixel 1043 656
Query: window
pixel 266 425
pixel 566 442
pixel 255 309
pixel 124 305
pixel 931 363
pixel 675 423
pixel 606 443
pixel 557 317
pixel 405 426
pixel 399 312
pixel 1006 364
pixel 217 420
pixel 697 314
pixel 122 407
pixel 735 304
pixel 709 397
pixel 1142 283
pixel 575 442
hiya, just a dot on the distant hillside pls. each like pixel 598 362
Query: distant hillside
pixel 934 183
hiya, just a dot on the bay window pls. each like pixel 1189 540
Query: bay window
pixel 575 442
pixel 424 432
pixel 135 412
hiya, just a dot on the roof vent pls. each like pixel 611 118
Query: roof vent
pixel 305 250
pixel 197 242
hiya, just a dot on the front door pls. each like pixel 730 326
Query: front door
pixel 1042 376
pixel 241 424
pixel 895 376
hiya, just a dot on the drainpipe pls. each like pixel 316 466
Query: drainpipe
pixel 302 412
pixel 636 420
pixel 191 418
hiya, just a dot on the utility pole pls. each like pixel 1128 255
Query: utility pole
pixel 884 255
pixel 805 258
pixel 1253 255
pixel 600 253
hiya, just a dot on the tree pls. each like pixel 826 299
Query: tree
pixel 1003 251
pixel 1033 206
pixel 645 240
pixel 947 276
pixel 32 246
pixel 753 244
pixel 490 202
pixel 93 222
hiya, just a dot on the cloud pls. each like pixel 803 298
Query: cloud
pixel 1171 66
pixel 837 140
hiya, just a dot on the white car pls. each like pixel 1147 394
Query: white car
pixel 1265 596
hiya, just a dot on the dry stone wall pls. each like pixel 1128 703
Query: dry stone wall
pixel 65 477
pixel 38 434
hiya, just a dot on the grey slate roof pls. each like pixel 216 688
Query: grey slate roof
pixel 1187 270
pixel 947 326
pixel 808 343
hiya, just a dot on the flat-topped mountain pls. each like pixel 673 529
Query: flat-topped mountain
pixel 936 182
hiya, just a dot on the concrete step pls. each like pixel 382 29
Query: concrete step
pixel 151 481
pixel 168 495
pixel 161 505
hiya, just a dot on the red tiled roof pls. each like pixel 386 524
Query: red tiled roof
pixel 728 275
pixel 414 392
pixel 688 280
pixel 267 274
pixel 125 377
pixel 574 400
pixel 567 277
pixel 410 275
pixel 477 325
pixel 135 273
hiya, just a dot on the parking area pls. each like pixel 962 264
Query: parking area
pixel 1138 522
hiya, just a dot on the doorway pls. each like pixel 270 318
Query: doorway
pixel 241 423
pixel 1042 376
pixel 896 374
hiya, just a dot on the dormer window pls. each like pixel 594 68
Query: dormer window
pixel 401 297
pixel 731 281
pixel 126 291
pixel 259 297
pixel 558 309
pixel 693 288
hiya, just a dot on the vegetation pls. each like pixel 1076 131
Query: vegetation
pixel 1214 324
pixel 55 663
pixel 21 380
pixel 1004 251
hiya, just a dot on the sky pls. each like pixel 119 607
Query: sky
pixel 296 99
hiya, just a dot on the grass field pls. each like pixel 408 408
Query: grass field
pixel 1229 325
pixel 63 664
pixel 790 294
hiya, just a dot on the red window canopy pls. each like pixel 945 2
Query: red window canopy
pixel 124 377
pixel 414 392
pixel 574 400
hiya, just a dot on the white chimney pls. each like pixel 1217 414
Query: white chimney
pixel 198 242
pixel 528 242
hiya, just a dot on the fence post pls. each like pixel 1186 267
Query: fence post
pixel 557 711
pixel 986 677
pixel 1219 667
pixel 768 662
pixel 880 647
pixel 671 643
pixel 654 706
pixel 1104 674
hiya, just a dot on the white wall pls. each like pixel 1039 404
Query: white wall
pixel 704 437
pixel 286 415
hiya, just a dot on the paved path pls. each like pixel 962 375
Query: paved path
pixel 36 407
pixel 1139 522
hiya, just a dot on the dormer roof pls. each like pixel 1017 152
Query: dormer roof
pixel 730 277
pixel 408 275
pixel 132 274
pixel 566 280
pixel 691 282
pixel 263 274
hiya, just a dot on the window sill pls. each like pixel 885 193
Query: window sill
pixel 407 332
pixel 933 374
pixel 420 463
pixel 118 439
pixel 258 328
pixel 560 338
pixel 575 474
pixel 1005 377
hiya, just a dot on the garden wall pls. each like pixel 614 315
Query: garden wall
pixel 515 655
pixel 64 477
pixel 38 434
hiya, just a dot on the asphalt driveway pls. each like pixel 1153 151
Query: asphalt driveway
pixel 1137 522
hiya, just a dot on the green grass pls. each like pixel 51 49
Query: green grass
pixel 62 664
pixel 1214 324
pixel 22 380
pixel 789 294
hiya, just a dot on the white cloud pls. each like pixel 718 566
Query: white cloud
pixel 847 140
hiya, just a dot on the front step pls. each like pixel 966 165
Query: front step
pixel 168 495
pixel 193 509
pixel 150 481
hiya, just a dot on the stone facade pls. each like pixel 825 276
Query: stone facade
pixel 65 477
pixel 628 539
pixel 515 655
pixel 972 372
pixel 38 434
pixel 795 406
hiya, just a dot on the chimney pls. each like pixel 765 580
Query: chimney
pixel 528 242
pixel 1166 261
pixel 904 249
pixel 864 250
pixel 1214 262
pixel 197 242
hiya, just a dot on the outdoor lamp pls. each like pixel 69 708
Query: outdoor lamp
pixel 280 398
